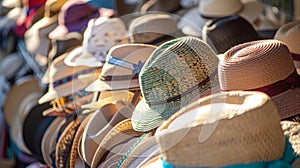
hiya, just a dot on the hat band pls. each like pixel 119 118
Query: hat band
pixel 136 68
pixel 71 77
pixel 118 78
pixel 175 98
pixel 286 161
pixel 291 82
pixel 296 57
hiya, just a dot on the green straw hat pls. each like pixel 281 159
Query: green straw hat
pixel 176 73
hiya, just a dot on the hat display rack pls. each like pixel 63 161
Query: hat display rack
pixel 149 83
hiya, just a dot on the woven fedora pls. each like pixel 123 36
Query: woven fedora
pixel 101 34
pixel 290 35
pixel 121 133
pixel 265 66
pixel 63 80
pixel 223 33
pixel 193 20
pixel 152 29
pixel 121 68
pixel 176 72
pixel 212 131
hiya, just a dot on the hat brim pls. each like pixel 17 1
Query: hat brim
pixel 99 85
pixel 252 10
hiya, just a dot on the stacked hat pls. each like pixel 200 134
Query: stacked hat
pixel 233 129
pixel 290 35
pixel 266 66
pixel 223 33
pixel 161 6
pixel 100 35
pixel 177 72
pixel 193 21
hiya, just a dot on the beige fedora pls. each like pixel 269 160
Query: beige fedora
pixel 266 66
pixel 226 129
pixel 290 35
pixel 152 29
pixel 101 34
pixel 122 66
pixel 193 21
pixel 63 80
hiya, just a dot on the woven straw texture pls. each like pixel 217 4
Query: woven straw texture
pixel 223 33
pixel 248 130
pixel 182 68
pixel 253 65
pixel 292 130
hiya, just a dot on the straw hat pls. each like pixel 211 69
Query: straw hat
pixel 291 129
pixel 152 28
pixel 121 68
pixel 175 73
pixel 63 80
pixel 290 35
pixel 18 98
pixel 161 5
pixel 120 134
pixel 101 34
pixel 265 66
pixel 223 33
pixel 226 129
pixel 34 127
pixel 193 21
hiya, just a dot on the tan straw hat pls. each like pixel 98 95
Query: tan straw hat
pixel 233 128
pixel 265 66
pixel 122 66
pixel 63 80
pixel 176 73
pixel 290 35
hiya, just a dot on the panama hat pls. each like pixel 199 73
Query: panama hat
pixel 101 34
pixel 120 133
pixel 221 125
pixel 176 72
pixel 266 66
pixel 290 35
pixel 121 68
pixel 223 33
pixel 18 98
pixel 34 127
pixel 193 20
pixel 63 80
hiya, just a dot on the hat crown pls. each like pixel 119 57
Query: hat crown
pixel 290 35
pixel 256 64
pixel 219 8
pixel 226 32
pixel 228 126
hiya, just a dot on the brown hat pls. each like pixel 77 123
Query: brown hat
pixel 265 66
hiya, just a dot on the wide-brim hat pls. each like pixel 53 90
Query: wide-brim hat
pixel 121 133
pixel 258 66
pixel 20 97
pixel 121 68
pixel 230 121
pixel 176 72
pixel 193 20
pixel 34 127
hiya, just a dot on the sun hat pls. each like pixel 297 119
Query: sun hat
pixel 70 20
pixel 289 33
pixel 266 66
pixel 34 127
pixel 101 34
pixel 290 129
pixel 21 95
pixel 223 33
pixel 152 28
pixel 193 20
pixel 176 72
pixel 120 133
pixel 221 125
pixel 63 80
pixel 161 5
pixel 121 68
